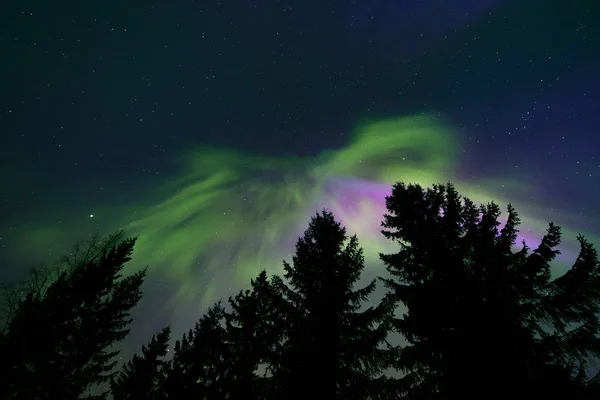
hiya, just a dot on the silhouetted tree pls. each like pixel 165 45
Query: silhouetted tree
pixel 333 349
pixel 201 360
pixel 253 333
pixel 143 376
pixel 59 341
pixel 484 320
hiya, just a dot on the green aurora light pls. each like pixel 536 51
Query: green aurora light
pixel 227 215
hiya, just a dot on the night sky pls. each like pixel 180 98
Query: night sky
pixel 214 129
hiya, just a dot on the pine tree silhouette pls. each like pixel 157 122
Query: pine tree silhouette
pixel 143 376
pixel 58 344
pixel 332 348
pixel 484 320
pixel 201 360
pixel 253 332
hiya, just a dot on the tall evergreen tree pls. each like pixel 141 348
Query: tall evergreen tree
pixel 483 319
pixel 201 361
pixel 143 377
pixel 252 334
pixel 333 349
pixel 59 342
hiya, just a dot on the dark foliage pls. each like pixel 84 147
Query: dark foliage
pixel 59 342
pixel 201 360
pixel 144 376
pixel 221 356
pixel 253 334
pixel 332 348
pixel 483 319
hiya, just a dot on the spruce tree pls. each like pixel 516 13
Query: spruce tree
pixel 484 319
pixel 252 335
pixel 201 361
pixel 333 349
pixel 143 376
pixel 60 341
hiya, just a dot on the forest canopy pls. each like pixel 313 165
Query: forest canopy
pixel 484 318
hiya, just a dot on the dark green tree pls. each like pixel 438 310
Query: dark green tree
pixel 143 377
pixel 253 333
pixel 483 318
pixel 201 361
pixel 334 345
pixel 59 342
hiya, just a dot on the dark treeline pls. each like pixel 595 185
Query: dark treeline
pixel 484 319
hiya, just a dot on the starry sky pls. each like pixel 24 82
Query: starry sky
pixel 215 129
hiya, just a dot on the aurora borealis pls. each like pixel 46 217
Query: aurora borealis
pixel 228 215
pixel 169 123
